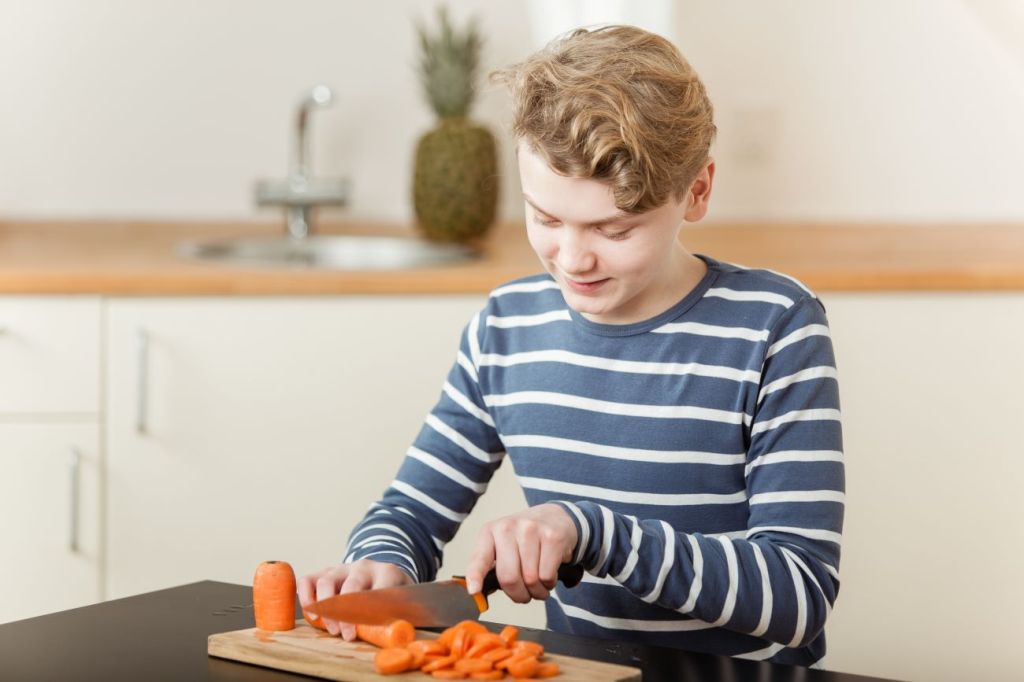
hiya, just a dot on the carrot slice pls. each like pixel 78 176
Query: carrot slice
pixel 448 675
pixel 419 657
pixel 495 655
pixel 473 665
pixel 532 648
pixel 506 662
pixel 397 633
pixel 439 663
pixel 484 642
pixel 392 660
pixel 459 642
pixel 523 667
pixel 487 675
pixel 549 669
pixel 509 633
pixel 273 596
pixel 471 625
pixel 428 646
pixel 318 623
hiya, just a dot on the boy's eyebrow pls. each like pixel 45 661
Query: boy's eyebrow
pixel 622 215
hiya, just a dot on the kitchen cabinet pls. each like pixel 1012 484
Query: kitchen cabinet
pixel 50 466
pixel 246 429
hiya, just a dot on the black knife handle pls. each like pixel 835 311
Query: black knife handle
pixel 569 575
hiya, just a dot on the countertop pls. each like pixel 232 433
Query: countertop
pixel 138 258
pixel 162 636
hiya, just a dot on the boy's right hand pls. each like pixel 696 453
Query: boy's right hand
pixel 364 574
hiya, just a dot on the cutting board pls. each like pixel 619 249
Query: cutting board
pixel 313 652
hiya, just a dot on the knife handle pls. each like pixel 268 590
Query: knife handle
pixel 569 575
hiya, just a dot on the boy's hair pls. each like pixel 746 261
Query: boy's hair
pixel 618 104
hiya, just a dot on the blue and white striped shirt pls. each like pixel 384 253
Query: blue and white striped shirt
pixel 699 453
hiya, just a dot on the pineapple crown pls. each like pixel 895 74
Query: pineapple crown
pixel 448 65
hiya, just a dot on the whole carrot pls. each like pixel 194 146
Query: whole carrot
pixel 396 634
pixel 273 596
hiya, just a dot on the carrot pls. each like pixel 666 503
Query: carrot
pixel 484 642
pixel 504 663
pixel 473 626
pixel 419 657
pixel 487 675
pixel 428 646
pixel 532 648
pixel 523 667
pixel 318 623
pixel 430 658
pixel 473 665
pixel 273 596
pixel 458 645
pixel 448 675
pixel 547 670
pixel 392 660
pixel 397 633
pixel 439 664
pixel 509 633
pixel 495 655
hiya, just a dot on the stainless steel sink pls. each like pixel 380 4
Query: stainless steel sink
pixel 328 252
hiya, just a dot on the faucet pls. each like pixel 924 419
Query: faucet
pixel 300 193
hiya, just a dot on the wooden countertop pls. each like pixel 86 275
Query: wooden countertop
pixel 127 258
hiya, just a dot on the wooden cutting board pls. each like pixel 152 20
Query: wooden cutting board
pixel 310 651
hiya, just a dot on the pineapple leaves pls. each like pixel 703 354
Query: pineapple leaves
pixel 448 64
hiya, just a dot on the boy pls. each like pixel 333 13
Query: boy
pixel 673 420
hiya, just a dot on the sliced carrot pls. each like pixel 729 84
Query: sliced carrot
pixel 419 657
pixel 473 665
pixel 445 638
pixel 428 646
pixel 487 675
pixel 392 660
pixel 318 623
pixel 495 655
pixel 439 663
pixel 506 662
pixel 448 675
pixel 471 625
pixel 549 669
pixel 397 633
pixel 523 667
pixel 459 644
pixel 273 596
pixel 484 642
pixel 532 648
pixel 509 633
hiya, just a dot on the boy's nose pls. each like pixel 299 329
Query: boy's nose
pixel 574 254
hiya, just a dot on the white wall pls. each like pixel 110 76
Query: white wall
pixel 878 109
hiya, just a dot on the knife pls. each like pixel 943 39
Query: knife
pixel 440 603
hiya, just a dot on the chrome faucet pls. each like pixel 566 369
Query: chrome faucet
pixel 300 193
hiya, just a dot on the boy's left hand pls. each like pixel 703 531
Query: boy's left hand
pixel 526 550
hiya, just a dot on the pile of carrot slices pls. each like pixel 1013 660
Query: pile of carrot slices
pixel 464 651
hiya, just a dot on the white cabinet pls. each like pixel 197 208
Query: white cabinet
pixel 268 425
pixel 50 465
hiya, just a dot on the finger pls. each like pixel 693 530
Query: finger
pixel 529 562
pixel 551 553
pixel 388 575
pixel 480 562
pixel 327 585
pixel 306 588
pixel 507 565
pixel 358 579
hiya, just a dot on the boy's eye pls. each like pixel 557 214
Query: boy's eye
pixel 618 236
pixel 544 220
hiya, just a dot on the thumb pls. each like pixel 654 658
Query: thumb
pixel 480 562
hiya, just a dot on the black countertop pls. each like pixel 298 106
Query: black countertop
pixel 162 636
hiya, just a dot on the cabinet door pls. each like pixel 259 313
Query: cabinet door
pixel 240 430
pixel 49 503
pixel 49 354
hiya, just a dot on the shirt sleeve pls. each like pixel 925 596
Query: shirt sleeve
pixel 447 468
pixel 780 580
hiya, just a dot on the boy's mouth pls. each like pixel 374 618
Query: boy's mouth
pixel 585 287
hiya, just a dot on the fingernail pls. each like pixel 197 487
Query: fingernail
pixel 472 587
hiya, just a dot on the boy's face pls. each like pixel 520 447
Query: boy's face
pixel 612 267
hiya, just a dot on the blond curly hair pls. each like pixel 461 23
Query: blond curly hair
pixel 618 104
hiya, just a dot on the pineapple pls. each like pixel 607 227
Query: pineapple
pixel 455 177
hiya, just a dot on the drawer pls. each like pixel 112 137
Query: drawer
pixel 50 354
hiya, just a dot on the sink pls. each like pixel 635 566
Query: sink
pixel 328 252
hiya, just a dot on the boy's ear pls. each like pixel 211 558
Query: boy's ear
pixel 699 193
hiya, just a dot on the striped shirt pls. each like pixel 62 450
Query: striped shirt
pixel 699 454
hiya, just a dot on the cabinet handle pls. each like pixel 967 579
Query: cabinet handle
pixel 76 468
pixel 142 396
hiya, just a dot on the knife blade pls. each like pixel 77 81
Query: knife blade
pixel 440 603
